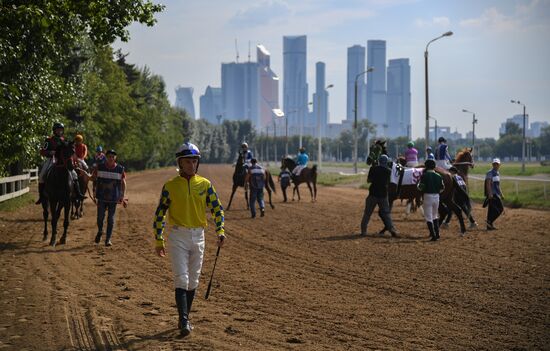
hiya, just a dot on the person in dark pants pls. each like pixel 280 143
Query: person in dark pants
pixel 379 177
pixel 284 179
pixel 109 188
pixel 493 195
pixel 256 179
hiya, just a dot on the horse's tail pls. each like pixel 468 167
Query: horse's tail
pixel 270 182
pixel 314 173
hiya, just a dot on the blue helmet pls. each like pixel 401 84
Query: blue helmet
pixel 99 148
pixel 383 160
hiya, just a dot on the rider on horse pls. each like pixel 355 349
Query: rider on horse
pixel 429 153
pixel 442 157
pixel 246 155
pixel 301 162
pixel 81 152
pixel 411 155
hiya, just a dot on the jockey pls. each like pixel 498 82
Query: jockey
pixel 429 154
pixel 81 152
pixel 48 151
pixel 301 162
pixel 411 155
pixel 442 156
pixel 247 156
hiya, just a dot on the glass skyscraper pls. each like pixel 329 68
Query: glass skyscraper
pixel 398 107
pixel 211 105
pixel 269 88
pixel 356 65
pixel 184 100
pixel 376 85
pixel 240 91
pixel 320 98
pixel 295 89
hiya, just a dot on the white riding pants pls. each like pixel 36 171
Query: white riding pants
pixel 443 164
pixel 186 250
pixel 431 205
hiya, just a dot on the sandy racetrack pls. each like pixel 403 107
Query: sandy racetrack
pixel 299 278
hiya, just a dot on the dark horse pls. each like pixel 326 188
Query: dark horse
pixel 77 203
pixel 404 192
pixel 239 177
pixel 57 192
pixel 307 175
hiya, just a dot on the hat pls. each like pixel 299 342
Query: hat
pixel 429 148
pixel 111 152
pixel 79 138
pixel 496 160
pixel 99 148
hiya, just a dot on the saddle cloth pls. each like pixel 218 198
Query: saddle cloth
pixel 410 177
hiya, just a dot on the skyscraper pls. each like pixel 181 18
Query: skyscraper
pixel 295 90
pixel 184 100
pixel 320 98
pixel 240 91
pixel 356 65
pixel 376 85
pixel 399 98
pixel 269 88
pixel 211 105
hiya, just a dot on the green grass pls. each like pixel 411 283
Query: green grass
pixel 529 193
pixel 332 179
pixel 17 203
pixel 512 169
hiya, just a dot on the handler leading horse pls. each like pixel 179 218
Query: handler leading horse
pixel 307 175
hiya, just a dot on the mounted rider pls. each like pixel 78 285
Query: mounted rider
pixel 442 157
pixel 81 152
pixel 411 155
pixel 246 155
pixel 301 161
pixel 48 150
pixel 429 153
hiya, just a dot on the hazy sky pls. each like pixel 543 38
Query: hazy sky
pixel 500 50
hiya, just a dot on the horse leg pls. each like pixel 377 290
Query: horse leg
pixel 269 195
pixel 315 189
pixel 55 216
pixel 246 196
pixel 231 197
pixel 63 240
pixel 73 208
pixel 45 215
pixel 310 191
pixel 458 212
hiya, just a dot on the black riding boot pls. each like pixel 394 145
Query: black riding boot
pixel 183 321
pixel 190 296
pixel 41 187
pixel 432 232
pixel 436 229
pixel 78 192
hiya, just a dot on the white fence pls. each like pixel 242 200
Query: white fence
pixel 15 186
pixel 519 184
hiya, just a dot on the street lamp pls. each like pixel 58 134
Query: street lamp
pixel 523 143
pixel 449 33
pixel 435 130
pixel 370 69
pixel 474 121
pixel 319 149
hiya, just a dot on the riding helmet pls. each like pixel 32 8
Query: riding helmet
pixel 410 144
pixel 188 150
pixel 244 145
pixel 58 125
pixel 442 140
pixel 99 148
pixel 430 164
pixel 78 138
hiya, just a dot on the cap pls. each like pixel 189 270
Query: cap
pixel 496 160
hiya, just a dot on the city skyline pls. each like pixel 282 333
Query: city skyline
pixel 495 54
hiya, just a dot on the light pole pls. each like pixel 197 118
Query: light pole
pixel 370 69
pixel 449 33
pixel 474 121
pixel 319 149
pixel 435 130
pixel 523 143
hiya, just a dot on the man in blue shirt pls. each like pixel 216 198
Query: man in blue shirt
pixel 256 178
pixel 493 195
pixel 301 162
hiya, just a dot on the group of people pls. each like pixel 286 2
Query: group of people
pixel 108 177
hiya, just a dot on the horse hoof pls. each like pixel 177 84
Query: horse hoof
pixel 52 243
pixel 63 241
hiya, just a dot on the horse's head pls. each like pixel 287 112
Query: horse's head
pixel 402 161
pixel 64 153
pixel 287 162
pixel 465 157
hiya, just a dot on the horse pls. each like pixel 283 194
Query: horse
pixel 463 162
pixel 77 204
pixel 407 192
pixel 239 177
pixel 307 175
pixel 57 191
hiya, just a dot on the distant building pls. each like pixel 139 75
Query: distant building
pixel 295 88
pixel 536 129
pixel 184 100
pixel 443 132
pixel 517 119
pixel 320 98
pixel 398 109
pixel 356 65
pixel 240 92
pixel 211 105
pixel 376 85
pixel 269 90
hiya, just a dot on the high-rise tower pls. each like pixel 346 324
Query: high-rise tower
pixel 295 90
pixel 376 85
pixel 184 100
pixel 356 65
pixel 398 107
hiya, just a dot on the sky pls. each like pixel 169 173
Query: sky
pixel 500 50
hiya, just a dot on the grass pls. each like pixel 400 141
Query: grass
pixel 516 193
pixel 512 169
pixel 18 202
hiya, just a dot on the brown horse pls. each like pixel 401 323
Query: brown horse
pixel 463 162
pixel 307 175
pixel 239 176
pixel 77 204
pixel 404 192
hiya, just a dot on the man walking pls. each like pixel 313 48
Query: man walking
pixel 493 195
pixel 109 188
pixel 185 198
pixel 256 179
pixel 379 177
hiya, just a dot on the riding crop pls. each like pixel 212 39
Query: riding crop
pixel 212 275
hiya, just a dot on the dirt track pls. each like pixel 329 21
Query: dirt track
pixel 299 278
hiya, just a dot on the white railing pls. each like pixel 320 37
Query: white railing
pixel 15 186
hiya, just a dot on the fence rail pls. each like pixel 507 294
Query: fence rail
pixel 519 186
pixel 11 187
